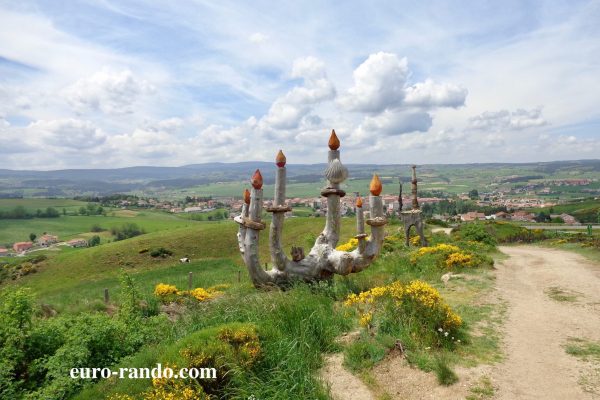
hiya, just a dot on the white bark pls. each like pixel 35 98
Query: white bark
pixel 323 261
pixel 276 230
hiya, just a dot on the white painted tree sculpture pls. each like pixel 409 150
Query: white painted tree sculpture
pixel 323 260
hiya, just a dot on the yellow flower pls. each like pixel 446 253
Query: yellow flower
pixel 415 240
pixel 162 290
pixel 201 294
pixel 349 245
pixel 459 259
pixel 365 319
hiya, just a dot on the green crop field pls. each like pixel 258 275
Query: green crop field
pixel 33 204
pixel 68 227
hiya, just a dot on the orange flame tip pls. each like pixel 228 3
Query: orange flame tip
pixel 280 159
pixel 359 202
pixel 257 180
pixel 246 196
pixel 375 187
pixel 334 142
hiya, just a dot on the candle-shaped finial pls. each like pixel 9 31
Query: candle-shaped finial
pixel 359 202
pixel 246 196
pixel 257 180
pixel 334 142
pixel 280 159
pixel 375 187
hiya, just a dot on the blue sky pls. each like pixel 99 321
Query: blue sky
pixel 120 83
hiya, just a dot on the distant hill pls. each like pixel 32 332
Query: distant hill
pixel 70 182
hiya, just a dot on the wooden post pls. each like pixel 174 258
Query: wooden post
pixel 239 276
pixel 106 298
pixel 190 280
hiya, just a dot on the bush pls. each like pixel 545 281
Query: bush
pixel 126 231
pixel 36 355
pixel 416 309
pixel 97 228
pixel 161 252
pixel 94 241
pixel 477 233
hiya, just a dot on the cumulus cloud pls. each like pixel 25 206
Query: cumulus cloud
pixel 145 144
pixel 431 94
pixel 287 111
pixel 378 84
pixel 67 133
pixel 393 107
pixel 506 120
pixel 109 91
pixel 391 123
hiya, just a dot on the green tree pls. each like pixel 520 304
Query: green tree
pixel 94 241
pixel 82 211
pixel 32 236
pixel 19 212
pixel 51 212
pixel 474 194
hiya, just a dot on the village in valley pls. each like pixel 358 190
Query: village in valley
pixel 525 204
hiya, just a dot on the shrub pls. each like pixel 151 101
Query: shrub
pixel 161 252
pixel 97 228
pixel 94 241
pixel 415 307
pixel 36 355
pixel 478 233
pixel 126 231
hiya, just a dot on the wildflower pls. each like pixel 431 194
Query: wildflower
pixel 162 290
pixel 349 245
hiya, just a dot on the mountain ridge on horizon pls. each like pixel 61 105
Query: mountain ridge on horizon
pixel 150 179
pixel 270 163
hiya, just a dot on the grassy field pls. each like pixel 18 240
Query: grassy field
pixel 68 227
pixel 584 210
pixel 293 327
pixel 35 203
pixel 65 272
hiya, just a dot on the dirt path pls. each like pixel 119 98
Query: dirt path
pixel 537 327
pixel 447 231
pixel 342 383
pixel 535 332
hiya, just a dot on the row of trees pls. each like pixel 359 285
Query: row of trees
pixel 20 212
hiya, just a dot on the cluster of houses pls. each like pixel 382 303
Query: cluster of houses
pixel 43 241
pixel 519 216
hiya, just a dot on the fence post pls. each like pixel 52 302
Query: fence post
pixel 190 280
pixel 239 276
pixel 106 298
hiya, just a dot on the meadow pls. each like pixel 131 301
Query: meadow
pixel 69 227
pixel 294 328
pixel 59 320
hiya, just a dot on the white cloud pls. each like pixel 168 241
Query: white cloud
pixel 392 123
pixel 378 84
pixel 287 111
pixel 67 133
pixel 112 92
pixel 258 38
pixel 431 94
pixel 505 120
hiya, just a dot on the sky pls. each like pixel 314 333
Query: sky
pixel 105 84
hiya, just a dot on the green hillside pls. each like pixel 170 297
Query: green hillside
pixel 67 227
pixel 74 270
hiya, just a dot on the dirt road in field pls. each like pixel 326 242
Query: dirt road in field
pixel 552 296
